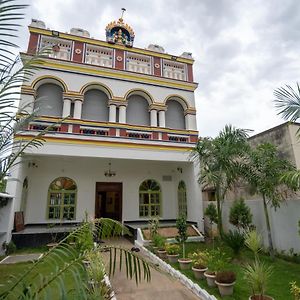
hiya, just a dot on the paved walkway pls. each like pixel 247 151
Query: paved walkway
pixel 12 259
pixel 161 286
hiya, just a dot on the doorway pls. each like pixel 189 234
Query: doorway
pixel 108 202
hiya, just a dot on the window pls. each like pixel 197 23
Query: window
pixel 182 203
pixel 150 196
pixel 62 199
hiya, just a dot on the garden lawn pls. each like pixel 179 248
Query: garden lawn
pixel 284 272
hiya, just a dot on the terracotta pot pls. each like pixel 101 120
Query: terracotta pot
pixel 210 278
pixel 162 253
pixel 258 297
pixel 225 289
pixel 199 273
pixel 184 263
pixel 172 258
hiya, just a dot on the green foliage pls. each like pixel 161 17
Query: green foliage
pixel 9 248
pixel 253 241
pixel 172 249
pixel 221 160
pixel 295 290
pixel 159 241
pixel 240 214
pixel 217 260
pixel 3 186
pixel 153 226
pixel 182 226
pixel 199 259
pixel 257 275
pixel 211 213
pixel 235 240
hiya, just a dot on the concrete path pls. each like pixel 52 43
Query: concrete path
pixel 12 259
pixel 162 286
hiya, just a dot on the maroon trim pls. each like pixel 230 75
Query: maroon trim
pixel 157 71
pixel 193 139
pixel 119 64
pixel 78 57
pixel 154 135
pixel 76 128
pixel 165 136
pixel 122 132
pixel 64 127
pixel 190 73
pixel 112 131
pixel 33 43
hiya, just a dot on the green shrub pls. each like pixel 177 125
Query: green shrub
pixel 181 226
pixel 295 290
pixel 9 248
pixel 172 249
pixel 240 214
pixel 211 213
pixel 199 259
pixel 153 227
pixel 217 260
pixel 159 241
pixel 235 240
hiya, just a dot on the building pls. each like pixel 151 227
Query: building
pixel 123 150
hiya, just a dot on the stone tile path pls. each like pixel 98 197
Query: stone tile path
pixel 162 286
pixel 20 258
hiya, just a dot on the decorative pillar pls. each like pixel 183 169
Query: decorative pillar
pixel 190 119
pixel 112 112
pixel 162 118
pixel 122 114
pixel 77 108
pixel 153 117
pixel 66 108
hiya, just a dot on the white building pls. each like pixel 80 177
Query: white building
pixel 124 151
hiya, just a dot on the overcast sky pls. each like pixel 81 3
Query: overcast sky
pixel 243 50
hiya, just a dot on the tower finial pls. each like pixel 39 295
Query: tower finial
pixel 123 10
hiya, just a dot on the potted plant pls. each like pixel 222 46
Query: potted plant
pixel 159 246
pixel 225 281
pixel 199 261
pixel 181 225
pixel 257 273
pixel 216 262
pixel 172 252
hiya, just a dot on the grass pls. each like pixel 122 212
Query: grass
pixel 283 273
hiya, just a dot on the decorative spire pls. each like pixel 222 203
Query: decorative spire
pixel 118 32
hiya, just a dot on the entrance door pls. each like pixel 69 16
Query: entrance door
pixel 108 203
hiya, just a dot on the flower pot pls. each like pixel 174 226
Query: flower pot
pixel 258 297
pixel 162 253
pixel 172 258
pixel 184 263
pixel 225 289
pixel 199 273
pixel 210 278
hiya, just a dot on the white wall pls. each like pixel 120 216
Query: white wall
pixel 87 171
pixel 284 222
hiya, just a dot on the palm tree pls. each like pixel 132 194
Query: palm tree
pixel 221 160
pixel 264 172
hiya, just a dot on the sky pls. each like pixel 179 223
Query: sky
pixel 243 50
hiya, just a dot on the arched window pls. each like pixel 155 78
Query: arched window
pixel 175 115
pixel 62 199
pixel 182 202
pixel 150 198
pixel 137 112
pixel 49 100
pixel 95 106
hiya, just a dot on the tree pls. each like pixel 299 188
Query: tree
pixel 220 161
pixel 182 232
pixel 240 214
pixel 264 172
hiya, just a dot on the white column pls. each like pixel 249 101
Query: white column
pixel 77 109
pixel 153 117
pixel 122 114
pixel 190 122
pixel 66 108
pixel 162 118
pixel 112 113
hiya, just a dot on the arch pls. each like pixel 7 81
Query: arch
pixel 49 100
pixel 183 102
pixel 182 200
pixel 97 86
pixel 137 112
pixel 62 194
pixel 149 198
pixel 175 118
pixel 49 79
pixel 95 106
pixel 140 92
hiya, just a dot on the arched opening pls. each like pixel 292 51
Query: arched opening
pixel 138 111
pixel 49 100
pixel 62 199
pixel 175 115
pixel 149 198
pixel 95 106
pixel 182 201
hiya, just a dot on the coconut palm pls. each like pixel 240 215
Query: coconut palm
pixel 221 161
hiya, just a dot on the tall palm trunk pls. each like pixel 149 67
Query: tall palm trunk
pixel 219 210
pixel 271 248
